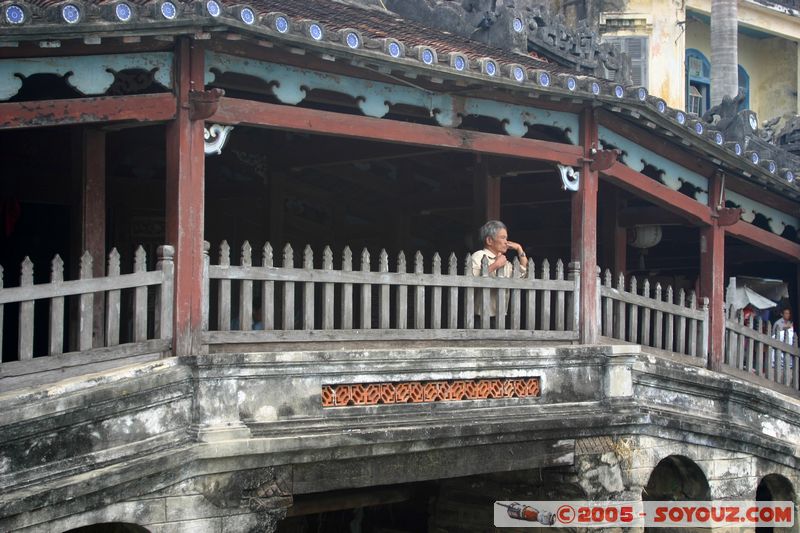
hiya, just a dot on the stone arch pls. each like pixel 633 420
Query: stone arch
pixel 110 527
pixel 677 478
pixel 775 487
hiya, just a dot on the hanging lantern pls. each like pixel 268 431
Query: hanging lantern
pixel 644 237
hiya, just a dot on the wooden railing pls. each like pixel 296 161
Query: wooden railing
pixel 750 347
pixel 657 321
pixel 265 303
pixel 87 314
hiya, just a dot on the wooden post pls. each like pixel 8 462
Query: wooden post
pixel 185 201
pixel 614 238
pixel 93 215
pixel 584 231
pixel 486 193
pixel 712 277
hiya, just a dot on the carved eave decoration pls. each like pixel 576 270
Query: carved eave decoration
pixel 733 142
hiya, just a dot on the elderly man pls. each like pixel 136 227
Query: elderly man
pixel 494 236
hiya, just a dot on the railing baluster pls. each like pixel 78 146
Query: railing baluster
pixel 287 318
pixel 646 314
pixel 419 294
pixel 26 313
pixel 704 331
pixel 139 298
pixel 740 360
pixel 658 318
pixel 346 305
pixel 436 294
pixel 113 305
pixel 633 313
pixel 469 296
pixel 795 360
pixel 268 290
pixel 608 306
pixel 365 291
pixel 681 334
pixel 545 296
pixel 164 315
pixel 327 291
pixel 452 306
pixel 669 334
pixel 693 326
pixel 308 290
pixel 760 369
pixel 206 287
pixel 384 295
pixel 246 290
pixel 224 290
pixel 485 295
pixel 401 304
pixel 530 299
pixel 515 306
pixel 574 307
pixel 502 302
pixel 57 308
pixel 619 323
pixel 730 349
pixel 559 297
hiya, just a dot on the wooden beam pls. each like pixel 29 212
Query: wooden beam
pixel 245 112
pixel 763 195
pixel 638 216
pixel 185 197
pixel 766 240
pixel 645 137
pixel 139 108
pixel 649 189
pixel 584 231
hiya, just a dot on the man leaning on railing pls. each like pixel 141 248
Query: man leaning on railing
pixel 494 236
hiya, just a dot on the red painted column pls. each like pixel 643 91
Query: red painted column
pixel 185 194
pixel 712 276
pixel 584 231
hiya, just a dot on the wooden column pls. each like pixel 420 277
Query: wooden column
pixel 712 276
pixel 615 246
pixel 185 197
pixel 486 193
pixel 584 230
pixel 93 215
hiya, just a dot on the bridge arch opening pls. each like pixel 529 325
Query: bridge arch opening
pixel 110 527
pixel 775 488
pixel 676 478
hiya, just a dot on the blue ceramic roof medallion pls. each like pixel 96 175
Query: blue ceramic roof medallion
pixel 459 63
pixel 642 94
pixel 491 68
pixel 680 117
pixel 281 24
pixel 698 128
pixel 15 14
pixel 661 106
pixel 518 25
pixel 595 88
pixel 394 49
pixel 248 17
pixel 123 12
pixel 619 92
pixel 544 79
pixel 519 74
pixel 427 56
pixel 755 158
pixel 789 176
pixel 315 31
pixel 168 10
pixel 352 40
pixel 70 13
pixel 213 9
pixel 571 84
pixel 718 138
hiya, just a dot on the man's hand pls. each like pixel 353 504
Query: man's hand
pixel 523 259
pixel 498 263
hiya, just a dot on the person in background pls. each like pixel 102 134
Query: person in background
pixel 783 324
pixel 494 237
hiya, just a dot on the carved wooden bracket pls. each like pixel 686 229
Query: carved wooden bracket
pixel 203 104
pixel 728 216
pixel 604 159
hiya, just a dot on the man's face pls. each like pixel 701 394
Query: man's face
pixel 787 315
pixel 499 243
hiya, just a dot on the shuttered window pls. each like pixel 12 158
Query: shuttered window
pixel 637 49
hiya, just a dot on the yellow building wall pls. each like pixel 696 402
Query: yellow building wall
pixel 770 62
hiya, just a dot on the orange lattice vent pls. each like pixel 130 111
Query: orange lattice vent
pixel 428 391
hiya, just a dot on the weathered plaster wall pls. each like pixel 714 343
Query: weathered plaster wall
pixel 665 76
pixel 770 62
